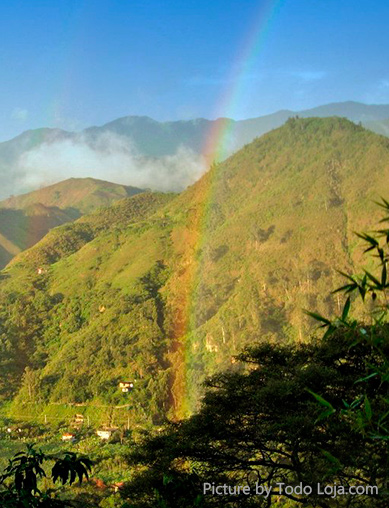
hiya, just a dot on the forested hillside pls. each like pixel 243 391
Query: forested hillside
pixel 165 290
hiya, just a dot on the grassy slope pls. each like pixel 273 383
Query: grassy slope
pixel 171 296
pixel 81 194
pixel 282 216
pixel 77 289
pixel 25 219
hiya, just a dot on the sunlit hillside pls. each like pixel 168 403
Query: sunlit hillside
pixel 25 219
pixel 167 289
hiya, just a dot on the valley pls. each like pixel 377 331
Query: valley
pixel 162 290
pixel 167 289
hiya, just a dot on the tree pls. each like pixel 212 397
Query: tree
pixel 264 427
pixel 19 483
pixel 370 416
pixel 30 382
pixel 298 415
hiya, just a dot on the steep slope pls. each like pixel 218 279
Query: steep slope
pixel 83 195
pixel 172 294
pixel 25 219
pixel 34 319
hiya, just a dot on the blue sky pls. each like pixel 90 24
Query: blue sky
pixel 72 64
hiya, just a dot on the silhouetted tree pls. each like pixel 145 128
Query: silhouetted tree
pixel 306 414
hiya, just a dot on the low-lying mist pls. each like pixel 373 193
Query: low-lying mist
pixel 109 157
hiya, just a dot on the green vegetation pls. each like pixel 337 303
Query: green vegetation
pixel 166 290
pixel 370 416
pixel 80 195
pixel 264 427
pixel 109 469
pixel 57 323
pixel 306 415
pixel 19 483
pixel 25 219
pixel 163 291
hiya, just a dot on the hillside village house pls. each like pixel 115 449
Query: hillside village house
pixel 126 386
pixel 105 433
pixel 78 418
pixel 68 436
pixel 117 486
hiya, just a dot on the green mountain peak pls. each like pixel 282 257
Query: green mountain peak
pixel 167 289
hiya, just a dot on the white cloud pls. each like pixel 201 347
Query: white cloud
pixel 110 157
pixel 19 114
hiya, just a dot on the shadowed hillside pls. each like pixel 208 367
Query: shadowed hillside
pixel 166 290
pixel 25 219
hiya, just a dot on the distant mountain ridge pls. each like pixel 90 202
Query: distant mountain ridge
pixel 148 139
pixel 83 195
pixel 163 138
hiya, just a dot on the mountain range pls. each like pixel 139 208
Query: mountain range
pixel 27 218
pixel 143 152
pixel 166 289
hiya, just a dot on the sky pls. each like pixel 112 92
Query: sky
pixel 72 64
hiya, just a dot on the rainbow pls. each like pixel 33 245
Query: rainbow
pixel 215 149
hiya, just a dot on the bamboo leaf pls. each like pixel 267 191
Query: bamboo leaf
pixel 325 414
pixel 368 239
pixel 350 277
pixel 317 317
pixel 372 278
pixel 361 380
pixel 383 275
pixel 347 288
pixel 368 410
pixel 321 400
pixel 346 309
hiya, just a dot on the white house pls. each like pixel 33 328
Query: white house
pixel 68 436
pixel 105 433
pixel 126 386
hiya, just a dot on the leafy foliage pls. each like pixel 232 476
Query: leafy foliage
pixel 19 483
pixel 35 324
pixel 369 416
pixel 224 274
pixel 264 426
pixel 306 414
